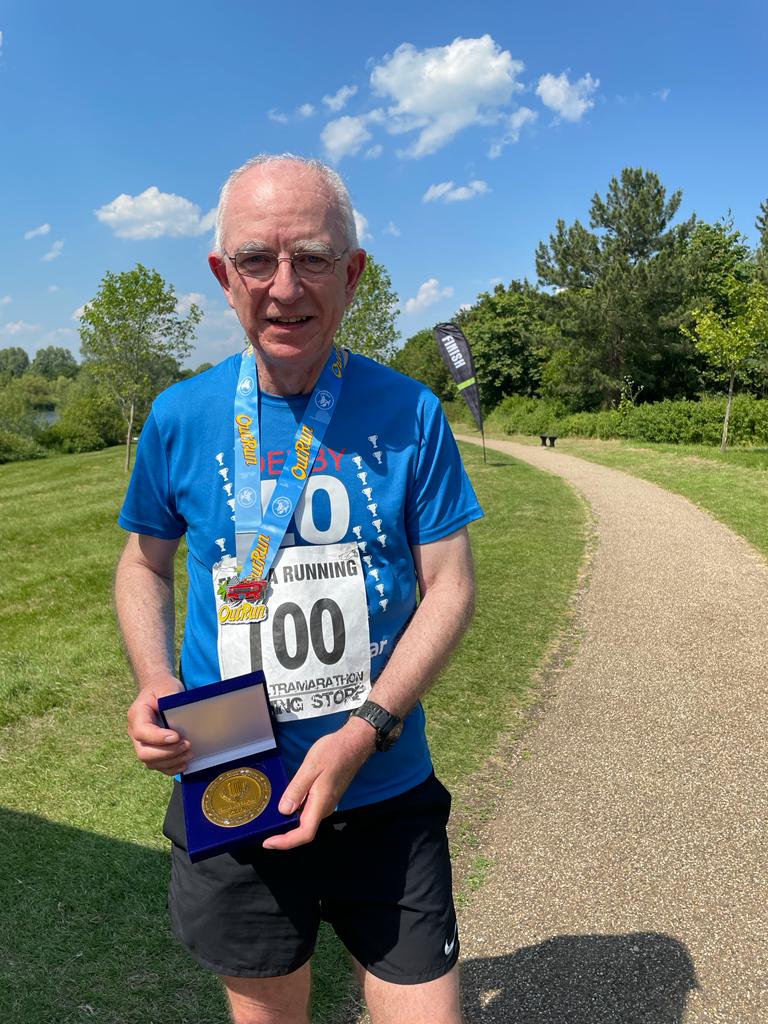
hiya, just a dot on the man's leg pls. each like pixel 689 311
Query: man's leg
pixel 392 907
pixel 432 1002
pixel 282 1000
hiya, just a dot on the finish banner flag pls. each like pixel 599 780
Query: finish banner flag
pixel 454 348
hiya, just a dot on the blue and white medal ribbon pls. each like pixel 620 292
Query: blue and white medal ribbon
pixel 268 527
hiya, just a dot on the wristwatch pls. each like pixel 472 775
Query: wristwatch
pixel 388 727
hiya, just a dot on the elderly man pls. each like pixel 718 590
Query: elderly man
pixel 355 467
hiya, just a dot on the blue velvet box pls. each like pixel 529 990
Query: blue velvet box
pixel 229 725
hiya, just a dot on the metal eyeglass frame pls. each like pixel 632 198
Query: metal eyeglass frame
pixel 283 259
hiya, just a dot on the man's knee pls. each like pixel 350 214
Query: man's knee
pixel 283 1000
pixel 431 1002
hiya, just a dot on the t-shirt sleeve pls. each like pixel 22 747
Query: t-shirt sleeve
pixel 442 499
pixel 149 506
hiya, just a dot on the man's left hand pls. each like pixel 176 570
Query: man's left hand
pixel 321 781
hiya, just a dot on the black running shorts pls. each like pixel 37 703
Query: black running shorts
pixel 380 875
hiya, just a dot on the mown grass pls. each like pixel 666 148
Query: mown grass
pixel 83 924
pixel 731 485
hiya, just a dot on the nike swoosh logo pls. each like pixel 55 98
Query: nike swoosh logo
pixel 449 945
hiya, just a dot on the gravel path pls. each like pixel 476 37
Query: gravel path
pixel 628 865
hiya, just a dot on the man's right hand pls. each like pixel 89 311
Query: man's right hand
pixel 155 746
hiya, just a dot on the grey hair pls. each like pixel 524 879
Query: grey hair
pixel 323 171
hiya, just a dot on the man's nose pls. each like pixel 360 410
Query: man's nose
pixel 286 284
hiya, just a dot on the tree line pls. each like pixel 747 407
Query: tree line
pixel 132 343
pixel 636 303
pixel 638 306
pixel 133 340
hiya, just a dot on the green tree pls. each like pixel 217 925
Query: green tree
pixel 53 362
pixel 188 372
pixel 716 256
pixel 368 326
pixel 13 361
pixel 26 402
pixel 761 223
pixel 89 417
pixel 129 331
pixel 729 337
pixel 510 340
pixel 419 358
pixel 615 287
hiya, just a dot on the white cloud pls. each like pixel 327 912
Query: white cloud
pixel 442 90
pixel 569 100
pixel 428 294
pixel 345 136
pixel 1 42
pixel 663 94
pixel 154 214
pixel 449 194
pixel 374 152
pixel 78 312
pixel 465 305
pixel 392 229
pixel 184 302
pixel 437 191
pixel 338 101
pixel 301 113
pixel 54 252
pixel 6 300
pixel 53 288
pixel 514 125
pixel 219 334
pixel 361 223
pixel 59 334
pixel 19 327
pixel 34 232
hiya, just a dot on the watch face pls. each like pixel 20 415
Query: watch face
pixel 386 740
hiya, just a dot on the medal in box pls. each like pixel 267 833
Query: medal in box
pixel 236 777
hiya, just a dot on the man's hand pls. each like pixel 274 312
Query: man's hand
pixel 157 747
pixel 322 779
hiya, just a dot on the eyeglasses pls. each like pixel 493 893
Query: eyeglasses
pixel 263 265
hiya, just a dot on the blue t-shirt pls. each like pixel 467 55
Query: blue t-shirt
pixel 388 467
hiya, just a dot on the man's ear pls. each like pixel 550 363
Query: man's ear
pixel 355 269
pixel 218 267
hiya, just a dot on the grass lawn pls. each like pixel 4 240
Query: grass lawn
pixel 731 485
pixel 83 924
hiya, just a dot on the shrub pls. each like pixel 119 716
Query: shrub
pixel 667 422
pixel 457 412
pixel 90 420
pixel 518 414
pixel 17 447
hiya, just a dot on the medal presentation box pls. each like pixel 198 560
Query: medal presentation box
pixel 236 777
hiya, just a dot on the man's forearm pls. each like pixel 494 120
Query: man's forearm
pixel 447 584
pixel 425 647
pixel 144 601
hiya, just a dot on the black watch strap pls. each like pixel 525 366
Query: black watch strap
pixel 388 727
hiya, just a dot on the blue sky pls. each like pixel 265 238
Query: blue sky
pixel 462 130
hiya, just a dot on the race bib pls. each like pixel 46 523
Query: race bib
pixel 314 644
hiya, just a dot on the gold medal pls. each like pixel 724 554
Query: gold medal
pixel 236 797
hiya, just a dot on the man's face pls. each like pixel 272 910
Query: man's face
pixel 290 321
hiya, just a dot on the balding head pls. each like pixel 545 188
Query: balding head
pixel 260 169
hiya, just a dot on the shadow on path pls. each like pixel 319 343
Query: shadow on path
pixel 640 978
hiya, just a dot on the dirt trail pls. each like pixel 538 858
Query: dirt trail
pixel 629 863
